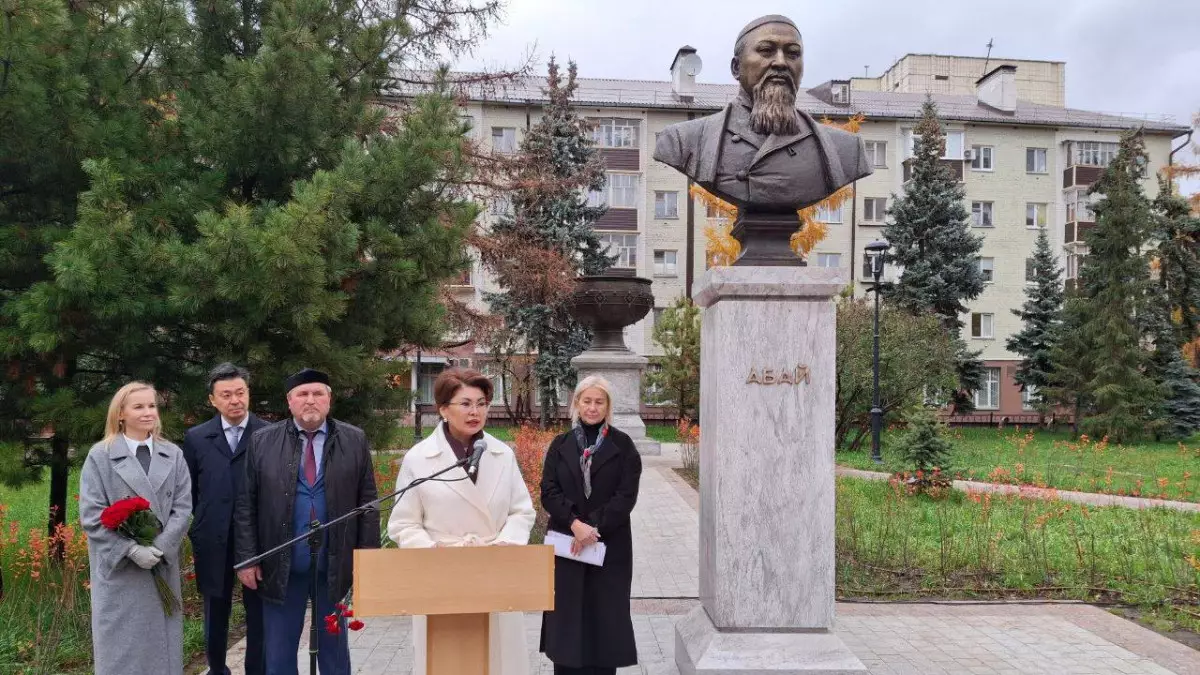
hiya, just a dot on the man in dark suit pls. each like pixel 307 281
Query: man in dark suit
pixel 215 452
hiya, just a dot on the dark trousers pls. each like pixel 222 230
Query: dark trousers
pixel 586 670
pixel 283 624
pixel 216 630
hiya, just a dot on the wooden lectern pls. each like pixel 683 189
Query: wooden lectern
pixel 430 581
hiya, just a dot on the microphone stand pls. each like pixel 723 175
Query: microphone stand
pixel 315 529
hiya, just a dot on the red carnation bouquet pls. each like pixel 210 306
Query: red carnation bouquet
pixel 133 518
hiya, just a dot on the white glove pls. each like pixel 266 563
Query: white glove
pixel 144 557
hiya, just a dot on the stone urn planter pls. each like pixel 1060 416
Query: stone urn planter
pixel 607 304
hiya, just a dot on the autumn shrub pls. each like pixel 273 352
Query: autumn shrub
pixel 530 444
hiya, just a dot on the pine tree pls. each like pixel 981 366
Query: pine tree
pixel 1115 286
pixel 223 189
pixel 1041 316
pixel 536 253
pixel 677 333
pixel 931 240
pixel 74 83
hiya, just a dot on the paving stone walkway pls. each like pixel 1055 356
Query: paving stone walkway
pixel 890 639
pixel 1031 492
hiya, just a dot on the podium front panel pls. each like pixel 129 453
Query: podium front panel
pixel 468 580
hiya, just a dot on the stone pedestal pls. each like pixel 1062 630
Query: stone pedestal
pixel 623 369
pixel 767 393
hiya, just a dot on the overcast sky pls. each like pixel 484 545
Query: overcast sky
pixel 1126 56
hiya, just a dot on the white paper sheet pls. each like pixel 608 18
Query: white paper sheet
pixel 592 555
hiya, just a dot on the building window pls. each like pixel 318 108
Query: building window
pixel 988 396
pixel 425 377
pixel 1072 266
pixel 664 264
pixel 623 245
pixel 874 209
pixel 1035 160
pixel 987 268
pixel 981 326
pixel 1030 271
pixel 614 132
pixel 877 153
pixel 954 144
pixel 829 260
pixel 504 139
pixel 981 214
pixel 827 215
pixel 1029 397
pixel 1092 153
pixel 666 204
pixel 1035 215
pixel 868 267
pixel 623 188
pixel 840 92
pixel 981 157
pixel 1079 208
pixel 502 207
pixel 658 313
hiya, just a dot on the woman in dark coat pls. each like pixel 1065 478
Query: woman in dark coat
pixel 589 487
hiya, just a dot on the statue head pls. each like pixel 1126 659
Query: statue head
pixel 768 62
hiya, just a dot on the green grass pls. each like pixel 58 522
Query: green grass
pixel 1167 470
pixel 894 545
pixel 41 630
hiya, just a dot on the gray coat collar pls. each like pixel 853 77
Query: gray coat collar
pixel 126 465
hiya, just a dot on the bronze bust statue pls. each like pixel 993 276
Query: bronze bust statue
pixel 761 153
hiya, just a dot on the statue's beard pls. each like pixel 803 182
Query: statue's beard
pixel 774 108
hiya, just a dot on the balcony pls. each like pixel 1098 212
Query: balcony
pixel 957 167
pixel 1081 175
pixel 1074 231
pixel 621 159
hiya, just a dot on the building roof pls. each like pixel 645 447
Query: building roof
pixel 611 93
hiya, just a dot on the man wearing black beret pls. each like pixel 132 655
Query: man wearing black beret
pixel 307 467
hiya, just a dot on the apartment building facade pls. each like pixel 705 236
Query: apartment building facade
pixel 1026 166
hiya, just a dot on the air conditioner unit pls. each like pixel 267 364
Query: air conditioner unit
pixel 969 155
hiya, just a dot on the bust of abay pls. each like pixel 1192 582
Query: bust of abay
pixel 761 153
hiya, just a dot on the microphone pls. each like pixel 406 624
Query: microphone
pixel 476 452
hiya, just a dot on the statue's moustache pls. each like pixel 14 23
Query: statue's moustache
pixel 776 79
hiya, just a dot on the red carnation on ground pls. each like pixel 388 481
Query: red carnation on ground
pixel 356 625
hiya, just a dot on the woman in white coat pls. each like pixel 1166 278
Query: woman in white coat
pixel 492 509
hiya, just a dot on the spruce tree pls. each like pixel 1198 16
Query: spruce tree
pixel 1177 231
pixel 1115 288
pixel 536 252
pixel 1041 316
pixel 1072 361
pixel 931 240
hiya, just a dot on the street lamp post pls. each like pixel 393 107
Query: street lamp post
pixel 876 249
pixel 417 402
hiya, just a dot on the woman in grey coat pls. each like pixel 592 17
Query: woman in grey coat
pixel 131 633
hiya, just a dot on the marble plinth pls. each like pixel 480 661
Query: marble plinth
pixel 700 649
pixel 767 392
pixel 623 370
